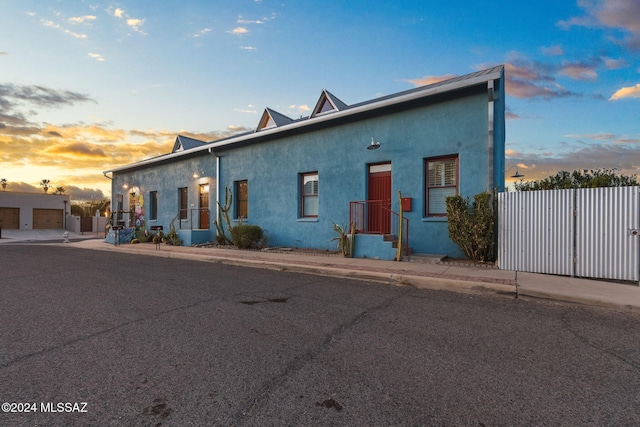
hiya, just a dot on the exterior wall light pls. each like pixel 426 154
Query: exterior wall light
pixel 517 174
pixel 374 145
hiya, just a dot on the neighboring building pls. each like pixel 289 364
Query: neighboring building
pixel 32 210
pixel 297 177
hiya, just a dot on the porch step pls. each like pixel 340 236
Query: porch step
pixel 424 258
pixel 394 243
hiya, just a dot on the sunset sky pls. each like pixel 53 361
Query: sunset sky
pixel 86 86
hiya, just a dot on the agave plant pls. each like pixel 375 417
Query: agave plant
pixel 342 238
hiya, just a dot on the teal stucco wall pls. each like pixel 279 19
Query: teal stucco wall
pixel 456 126
pixel 166 179
pixel 467 123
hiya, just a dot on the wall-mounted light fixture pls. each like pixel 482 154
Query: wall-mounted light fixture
pixel 517 174
pixel 374 144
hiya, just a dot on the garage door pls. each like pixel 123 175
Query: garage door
pixel 47 218
pixel 10 218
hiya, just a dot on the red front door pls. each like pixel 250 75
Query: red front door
pixel 379 197
pixel 204 206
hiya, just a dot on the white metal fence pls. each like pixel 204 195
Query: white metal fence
pixel 584 233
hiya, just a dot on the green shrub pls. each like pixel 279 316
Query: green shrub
pixel 246 236
pixel 172 236
pixel 471 227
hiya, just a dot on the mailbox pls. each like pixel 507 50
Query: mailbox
pixel 406 204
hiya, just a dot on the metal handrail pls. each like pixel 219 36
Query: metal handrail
pixel 376 217
pixel 188 220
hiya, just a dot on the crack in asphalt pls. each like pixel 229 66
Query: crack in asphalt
pixel 300 361
pixel 566 322
pixel 102 332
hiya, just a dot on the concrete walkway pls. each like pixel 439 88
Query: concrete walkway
pixel 444 276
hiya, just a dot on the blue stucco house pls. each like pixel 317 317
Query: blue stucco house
pixel 343 163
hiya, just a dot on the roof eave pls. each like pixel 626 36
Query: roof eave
pixel 428 91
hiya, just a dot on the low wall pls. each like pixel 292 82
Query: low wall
pixel 98 224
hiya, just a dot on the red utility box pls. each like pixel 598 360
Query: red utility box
pixel 406 204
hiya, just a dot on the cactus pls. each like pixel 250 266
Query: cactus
pixel 221 236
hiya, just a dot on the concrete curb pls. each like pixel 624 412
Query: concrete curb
pixel 465 280
pixel 427 281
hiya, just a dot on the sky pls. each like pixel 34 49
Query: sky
pixel 87 86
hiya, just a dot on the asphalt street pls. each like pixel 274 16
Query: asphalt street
pixel 110 339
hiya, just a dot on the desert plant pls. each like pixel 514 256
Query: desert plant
pixel 471 227
pixel 344 243
pixel 246 236
pixel 172 236
pixel 221 236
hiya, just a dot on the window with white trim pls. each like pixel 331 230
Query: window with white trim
pixel 442 181
pixel 309 195
pixel 153 205
pixel 242 199
pixel 183 202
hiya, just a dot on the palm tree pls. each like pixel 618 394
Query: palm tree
pixel 3 182
pixel 60 190
pixel 45 184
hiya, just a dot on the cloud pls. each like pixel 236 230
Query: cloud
pixel 250 110
pixel 510 115
pixel 552 50
pixel 593 151
pixel 239 31
pixel 615 64
pixel 579 71
pixel 77 149
pixel 51 24
pixel 3 53
pixel 201 32
pixel 615 14
pixel 82 19
pixel 524 79
pixel 96 56
pixel 303 107
pixel 427 80
pixel 13 97
pixel 249 48
pixel 78 194
pixel 135 24
pixel 247 22
pixel 626 92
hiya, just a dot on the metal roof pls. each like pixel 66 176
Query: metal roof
pixel 351 111
pixel 186 143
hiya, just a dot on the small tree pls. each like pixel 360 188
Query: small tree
pixel 3 182
pixel 46 185
pixel 564 180
pixel 60 190
pixel 471 227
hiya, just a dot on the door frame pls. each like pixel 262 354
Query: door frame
pixel 379 194
pixel 204 212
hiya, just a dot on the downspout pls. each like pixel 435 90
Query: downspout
pixel 217 184
pixel 490 135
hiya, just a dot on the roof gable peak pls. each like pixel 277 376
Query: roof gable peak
pixel 328 103
pixel 185 143
pixel 271 119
